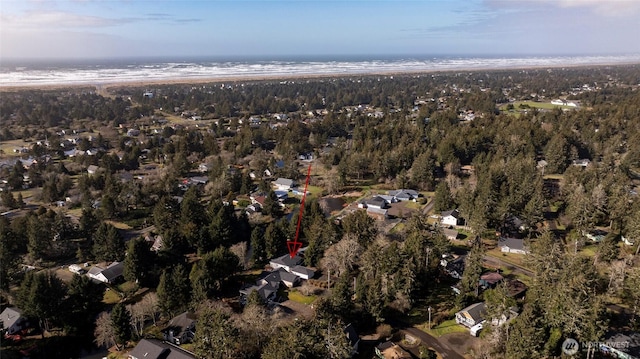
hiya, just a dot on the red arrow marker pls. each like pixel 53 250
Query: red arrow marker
pixel 295 246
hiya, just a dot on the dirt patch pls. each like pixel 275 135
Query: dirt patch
pixel 296 309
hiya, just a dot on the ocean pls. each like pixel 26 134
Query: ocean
pixel 100 72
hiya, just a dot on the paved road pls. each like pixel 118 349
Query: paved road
pixel 428 207
pixel 497 262
pixel 443 349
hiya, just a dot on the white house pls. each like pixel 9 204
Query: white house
pixel 451 218
pixel 107 275
pixel 512 245
pixel 284 184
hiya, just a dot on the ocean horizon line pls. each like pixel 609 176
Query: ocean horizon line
pixel 105 71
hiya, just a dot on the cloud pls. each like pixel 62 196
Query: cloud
pixel 58 19
pixel 607 8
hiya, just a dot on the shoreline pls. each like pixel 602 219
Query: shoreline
pixel 132 83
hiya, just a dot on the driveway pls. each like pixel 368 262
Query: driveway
pixel 446 350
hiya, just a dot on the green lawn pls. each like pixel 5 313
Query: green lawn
pixel 532 104
pixel 512 258
pixel 111 297
pixel 446 327
pixel 296 296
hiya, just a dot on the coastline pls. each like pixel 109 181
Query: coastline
pixel 216 79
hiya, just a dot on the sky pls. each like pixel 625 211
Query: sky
pixel 48 29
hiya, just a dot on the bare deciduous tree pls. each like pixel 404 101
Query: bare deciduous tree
pixel 104 333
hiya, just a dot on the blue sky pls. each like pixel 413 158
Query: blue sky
pixel 132 28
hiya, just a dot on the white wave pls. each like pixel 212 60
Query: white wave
pixel 26 76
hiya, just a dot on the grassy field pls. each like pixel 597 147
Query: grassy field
pixel 296 296
pixel 110 297
pixel 446 327
pixel 512 258
pixel 532 104
pixel 6 147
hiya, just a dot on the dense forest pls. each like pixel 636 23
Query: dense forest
pixel 562 172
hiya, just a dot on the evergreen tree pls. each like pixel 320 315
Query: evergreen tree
pixel 216 337
pixel 138 261
pixel 83 305
pixel 108 245
pixel 40 296
pixel 121 322
pixel 272 205
pixel 258 246
pixel 443 200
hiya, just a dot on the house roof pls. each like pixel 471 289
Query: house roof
pixel 376 201
pixel 284 182
pixel 404 193
pixel 287 261
pixel 10 316
pixel 181 323
pixel 94 271
pixel 454 213
pixel 285 276
pixel 513 243
pixel 450 233
pixel 113 271
pixel 492 277
pixel 474 312
pixel 156 349
pixel 303 270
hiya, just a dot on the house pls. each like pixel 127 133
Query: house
pixel 204 167
pixel 285 262
pixel 74 268
pixel 181 329
pixel 405 195
pixel 199 180
pixel 378 213
pixel 132 132
pixel 512 245
pixel 490 279
pixel 92 169
pixel 284 184
pixel 303 272
pixel 471 315
pixel 454 267
pixel 13 321
pixel 107 275
pixel 451 234
pixel 376 202
pixel 156 349
pixel 583 162
pixel 266 291
pixel 391 350
pixel 451 218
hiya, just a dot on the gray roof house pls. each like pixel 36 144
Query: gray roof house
pixel 13 321
pixel 451 218
pixel 285 262
pixel 156 349
pixel 107 275
pixel 376 202
pixel 471 315
pixel 284 184
pixel 405 194
pixel 181 329
pixel 512 245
